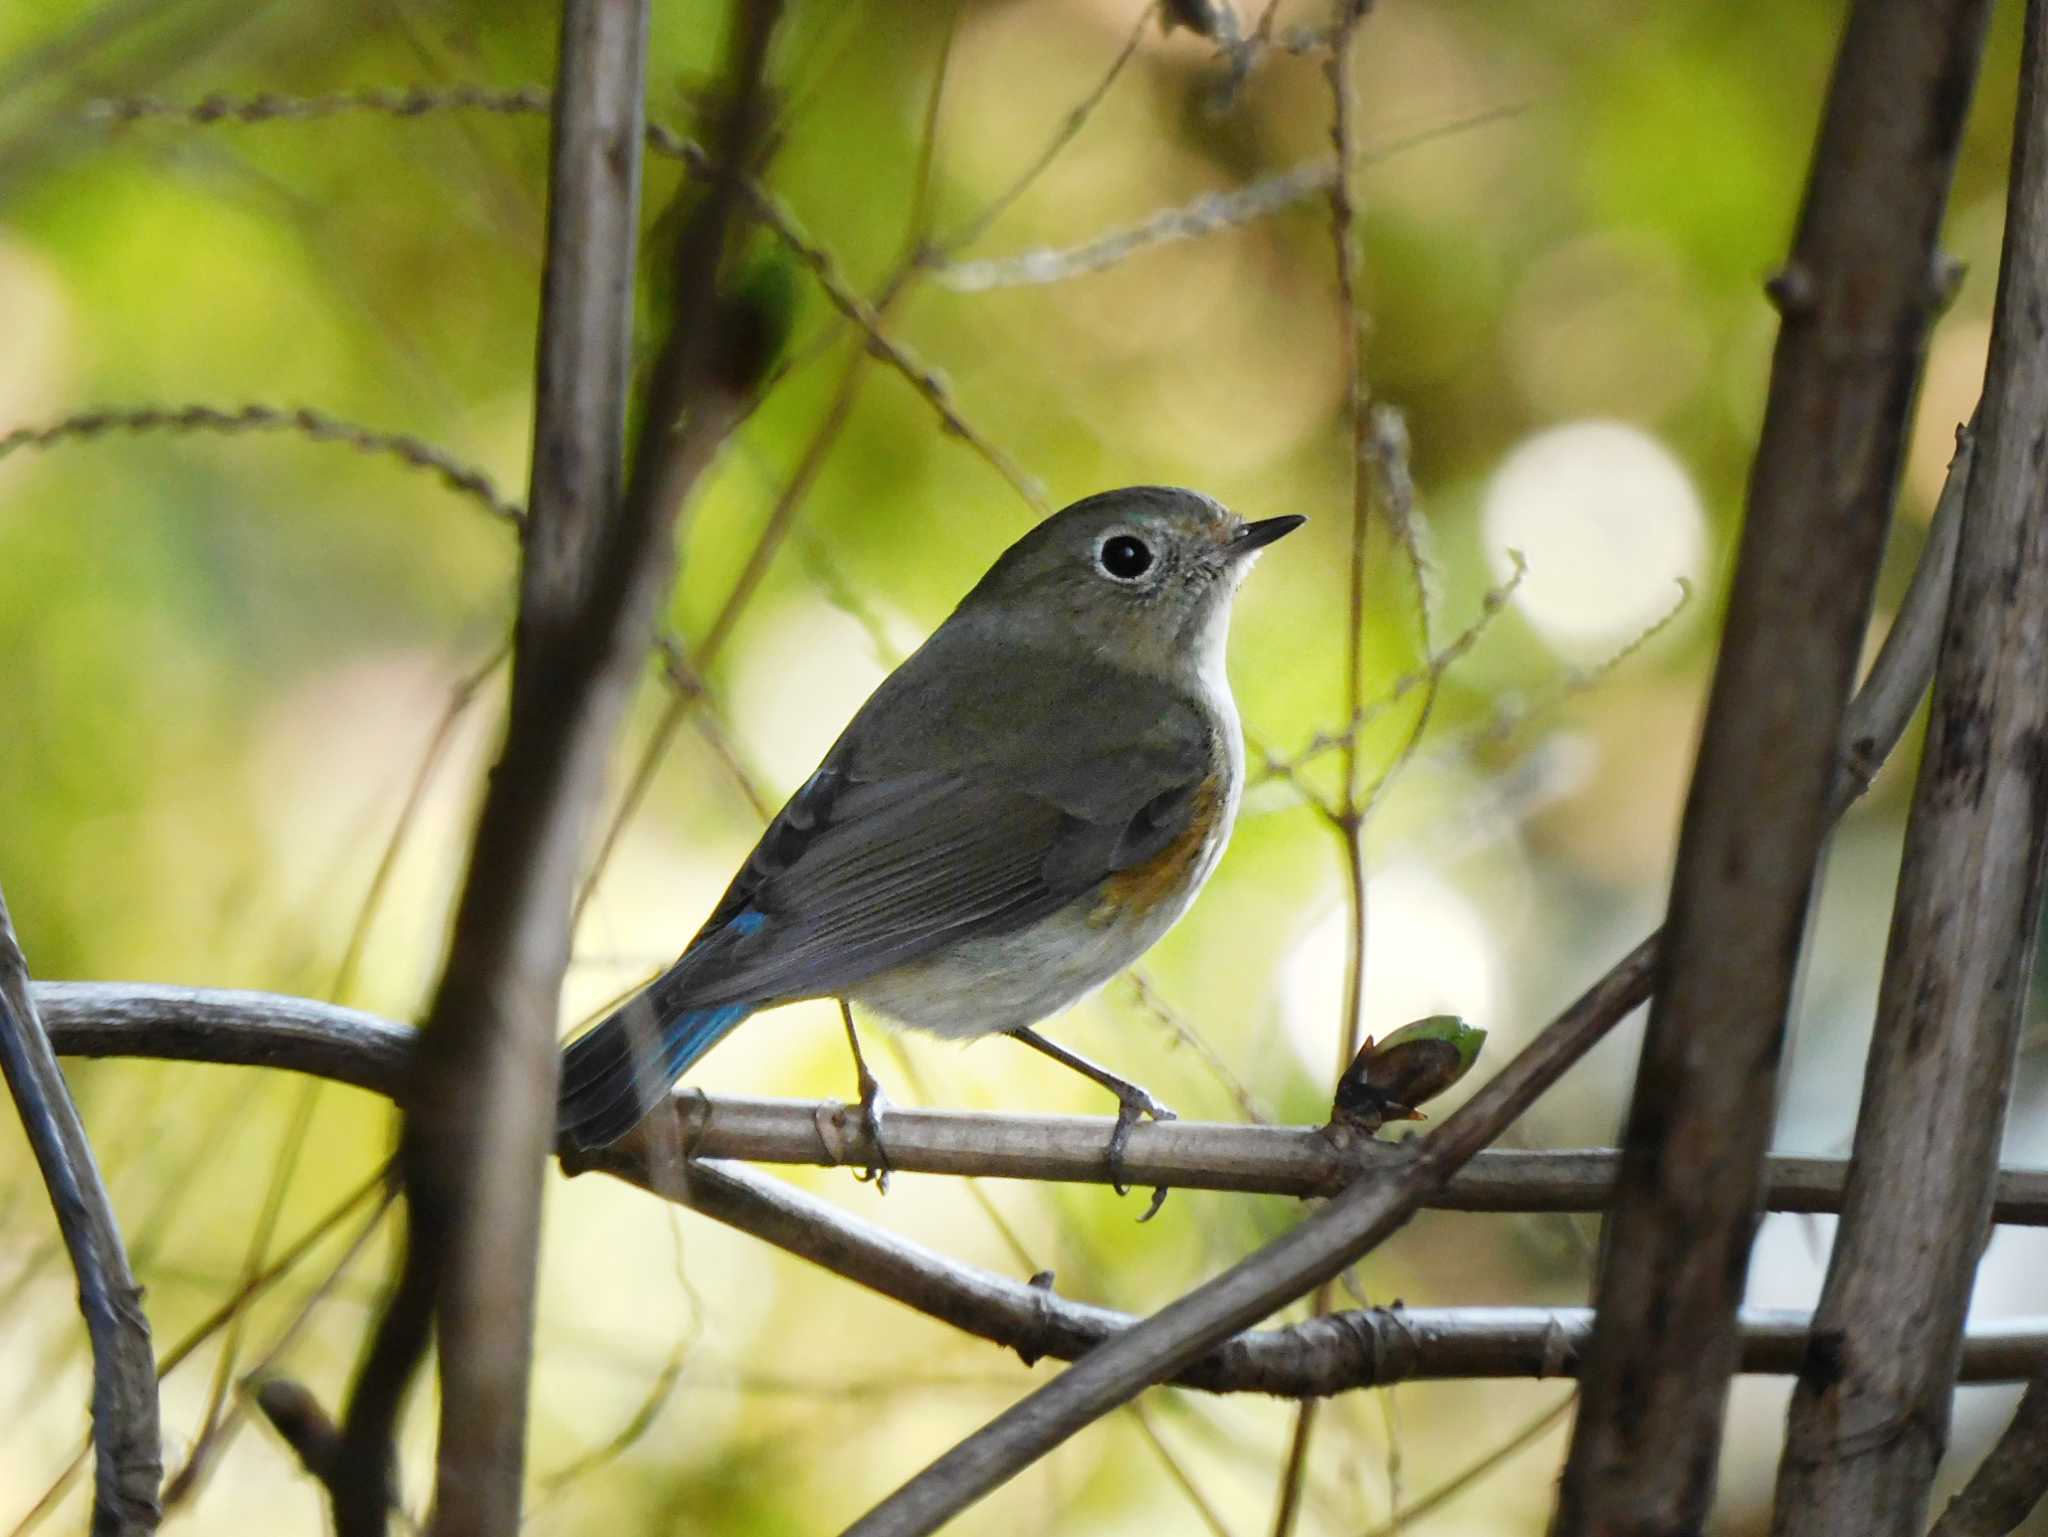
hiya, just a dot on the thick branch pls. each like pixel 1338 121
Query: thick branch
pixel 126 1019
pixel 127 1440
pixel 479 1100
pixel 1869 1422
pixel 480 1096
pixel 481 1107
pixel 1857 298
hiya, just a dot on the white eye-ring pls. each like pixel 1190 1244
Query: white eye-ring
pixel 1124 556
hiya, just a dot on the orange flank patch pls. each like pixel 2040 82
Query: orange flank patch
pixel 1137 890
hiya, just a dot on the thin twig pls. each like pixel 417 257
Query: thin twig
pixel 1347 820
pixel 1204 215
pixel 1467 1477
pixel 1070 128
pixel 662 140
pixel 2010 1481
pixel 124 1398
pixel 1435 665
pixel 318 426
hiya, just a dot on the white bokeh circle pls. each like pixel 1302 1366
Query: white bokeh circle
pixel 1607 519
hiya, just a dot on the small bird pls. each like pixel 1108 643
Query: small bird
pixel 1017 813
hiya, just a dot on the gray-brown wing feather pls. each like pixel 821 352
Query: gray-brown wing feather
pixel 895 869
pixel 922 828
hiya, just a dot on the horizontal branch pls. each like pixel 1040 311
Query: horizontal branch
pixel 122 1019
pixel 1328 1355
pixel 1334 1353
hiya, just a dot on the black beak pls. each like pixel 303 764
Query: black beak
pixel 1256 536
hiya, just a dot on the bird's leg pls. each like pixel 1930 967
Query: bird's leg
pixel 1132 1101
pixel 873 1102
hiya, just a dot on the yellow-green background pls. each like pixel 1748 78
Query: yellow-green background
pixel 221 661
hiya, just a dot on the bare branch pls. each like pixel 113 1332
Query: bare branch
pixel 481 1089
pixel 1869 1422
pixel 1204 215
pixel 480 1092
pixel 418 101
pixel 318 426
pixel 272 1030
pixel 124 1399
pixel 1342 1351
pixel 2012 1478
pixel 1857 301
pixel 1887 702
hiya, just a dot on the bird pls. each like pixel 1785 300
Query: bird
pixel 1016 814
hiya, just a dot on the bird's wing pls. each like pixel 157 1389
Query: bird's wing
pixel 859 874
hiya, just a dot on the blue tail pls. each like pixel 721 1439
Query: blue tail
pixel 614 1075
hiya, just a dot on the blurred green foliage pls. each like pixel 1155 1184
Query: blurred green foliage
pixel 221 660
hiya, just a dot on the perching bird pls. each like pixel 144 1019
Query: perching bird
pixel 1016 814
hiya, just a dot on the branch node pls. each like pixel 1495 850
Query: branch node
pixel 1792 290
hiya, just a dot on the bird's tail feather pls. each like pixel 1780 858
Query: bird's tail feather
pixel 614 1075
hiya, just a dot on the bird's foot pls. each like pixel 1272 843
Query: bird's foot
pixel 874 1105
pixel 1132 1104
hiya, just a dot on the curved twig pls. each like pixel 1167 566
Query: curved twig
pixel 124 1398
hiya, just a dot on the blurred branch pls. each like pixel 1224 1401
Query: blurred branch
pixel 480 1092
pixel 2012 1478
pixel 1070 127
pixel 1192 220
pixel 316 425
pixel 124 1399
pixel 1857 299
pixel 272 1030
pixel 1380 477
pixel 1869 1421
pixel 418 101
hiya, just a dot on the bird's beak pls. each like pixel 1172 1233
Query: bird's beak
pixel 1256 536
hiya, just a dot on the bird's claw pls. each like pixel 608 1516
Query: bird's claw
pixel 873 1106
pixel 1132 1104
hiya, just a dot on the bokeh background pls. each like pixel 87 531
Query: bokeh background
pixel 223 662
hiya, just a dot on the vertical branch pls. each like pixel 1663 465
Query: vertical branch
pixel 1857 299
pixel 480 1100
pixel 1869 1419
pixel 584 359
pixel 124 1401
pixel 480 1106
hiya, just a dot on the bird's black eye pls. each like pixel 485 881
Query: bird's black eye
pixel 1126 558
